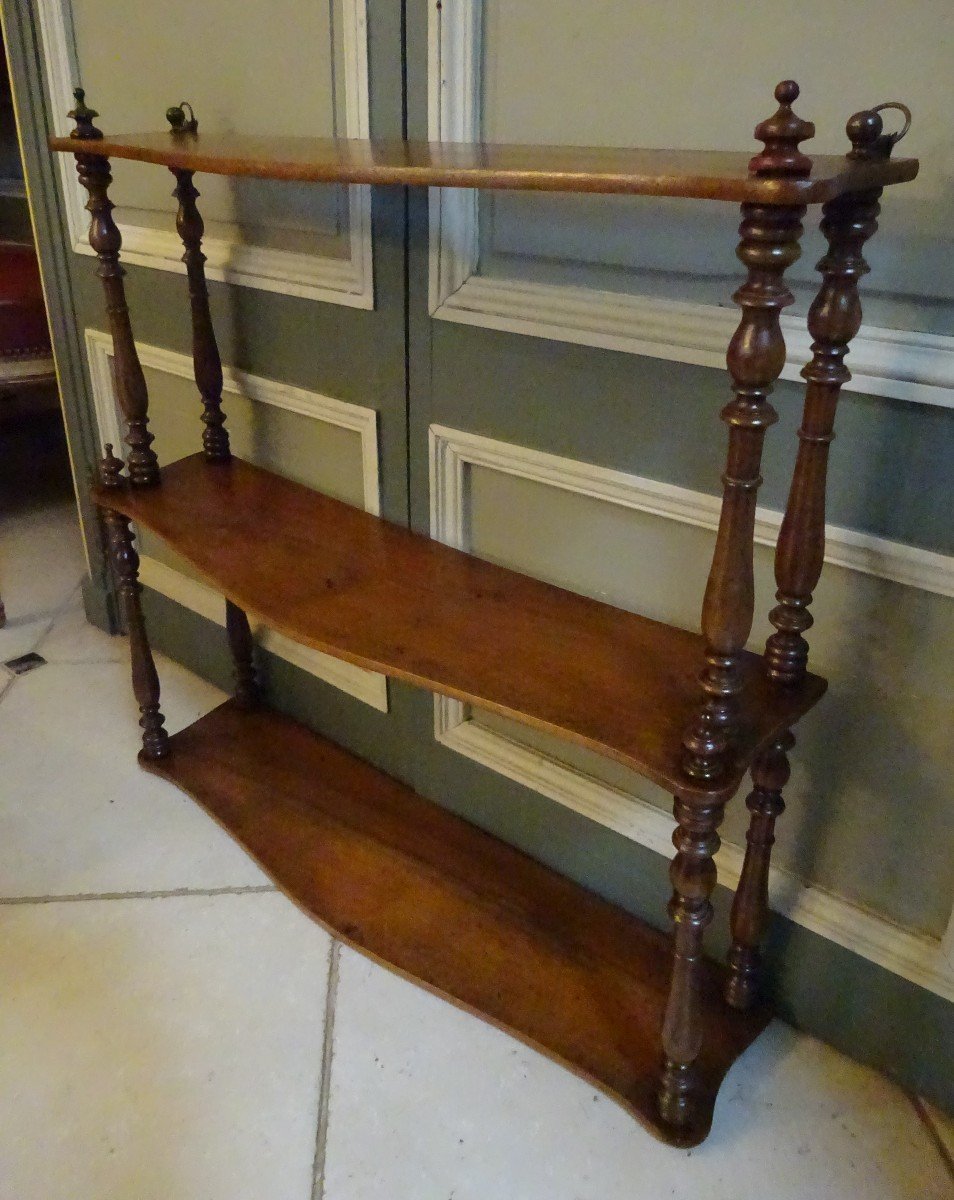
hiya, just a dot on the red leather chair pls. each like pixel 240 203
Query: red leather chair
pixel 25 354
pixel 26 358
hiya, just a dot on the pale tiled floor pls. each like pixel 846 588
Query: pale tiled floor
pixel 171 1028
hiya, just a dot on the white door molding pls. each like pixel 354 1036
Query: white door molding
pixel 903 365
pixel 924 960
pixel 367 686
pixel 348 281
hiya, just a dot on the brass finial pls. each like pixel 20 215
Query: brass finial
pixel 781 134
pixel 177 118
pixel 83 116
pixel 110 468
pixel 865 131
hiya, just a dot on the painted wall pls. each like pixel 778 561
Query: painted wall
pixel 593 332
pixel 272 72
pixel 642 74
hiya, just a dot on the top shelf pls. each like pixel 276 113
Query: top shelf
pixel 698 174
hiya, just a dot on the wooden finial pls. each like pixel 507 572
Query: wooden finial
pixel 781 134
pixel 110 468
pixel 83 116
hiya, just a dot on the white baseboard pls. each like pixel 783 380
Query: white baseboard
pixel 926 961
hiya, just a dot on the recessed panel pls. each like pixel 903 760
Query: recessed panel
pixel 875 750
pixel 261 69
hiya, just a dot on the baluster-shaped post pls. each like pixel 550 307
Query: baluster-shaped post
pixel 768 246
pixel 242 645
pixel 750 910
pixel 125 562
pixel 104 237
pixel 833 320
pixel 207 364
pixel 693 876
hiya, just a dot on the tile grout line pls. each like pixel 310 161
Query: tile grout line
pixel 168 894
pixel 324 1094
pixel 928 1122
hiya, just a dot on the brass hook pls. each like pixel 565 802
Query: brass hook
pixel 177 118
pixel 901 108
pixel 866 132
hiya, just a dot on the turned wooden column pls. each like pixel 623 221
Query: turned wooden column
pixel 125 562
pixel 693 876
pixel 242 645
pixel 104 237
pixel 207 364
pixel 768 246
pixel 833 320
pixel 750 910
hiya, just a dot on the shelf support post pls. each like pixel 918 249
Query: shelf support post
pixel 750 907
pixel 693 876
pixel 833 321
pixel 242 645
pixel 125 563
pixel 206 361
pixel 768 246
pixel 105 239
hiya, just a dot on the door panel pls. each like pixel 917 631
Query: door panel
pixel 502 379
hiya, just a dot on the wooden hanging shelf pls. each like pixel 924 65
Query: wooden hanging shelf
pixel 453 908
pixel 649 1021
pixel 357 587
pixel 701 174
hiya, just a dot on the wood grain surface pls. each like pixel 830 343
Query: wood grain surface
pixel 453 908
pixel 347 583
pixel 703 174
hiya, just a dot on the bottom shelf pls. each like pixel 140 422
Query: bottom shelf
pixel 450 907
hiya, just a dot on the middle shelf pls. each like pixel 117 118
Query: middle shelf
pixel 359 588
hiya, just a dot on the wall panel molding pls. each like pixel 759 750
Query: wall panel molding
pixel 899 364
pixel 347 281
pixel 366 686
pixel 924 960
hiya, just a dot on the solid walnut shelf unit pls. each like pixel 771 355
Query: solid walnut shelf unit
pixel 641 1015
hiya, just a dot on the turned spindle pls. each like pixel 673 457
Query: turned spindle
pixel 750 908
pixel 125 561
pixel 104 237
pixel 693 876
pixel 768 246
pixel 833 320
pixel 207 364
pixel 242 645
